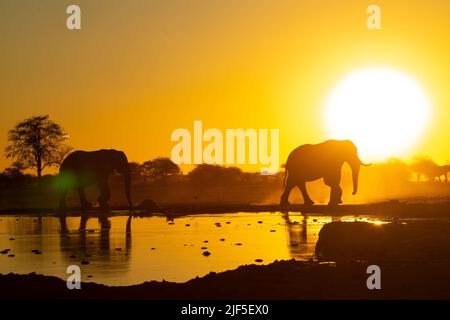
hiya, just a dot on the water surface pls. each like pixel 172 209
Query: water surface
pixel 119 250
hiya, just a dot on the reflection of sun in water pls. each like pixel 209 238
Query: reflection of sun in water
pixel 384 112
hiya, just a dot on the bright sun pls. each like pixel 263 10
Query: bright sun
pixel 383 111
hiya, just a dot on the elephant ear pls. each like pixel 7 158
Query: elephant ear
pixel 117 160
pixel 125 170
pixel 123 159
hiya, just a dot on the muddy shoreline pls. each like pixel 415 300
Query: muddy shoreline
pixel 382 209
pixel 279 280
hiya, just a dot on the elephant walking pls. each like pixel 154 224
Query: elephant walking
pixel 310 162
pixel 431 170
pixel 82 168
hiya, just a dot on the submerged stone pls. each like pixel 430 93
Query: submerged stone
pixel 148 204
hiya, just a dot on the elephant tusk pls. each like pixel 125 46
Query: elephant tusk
pixel 366 164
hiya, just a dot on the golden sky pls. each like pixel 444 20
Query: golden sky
pixel 139 69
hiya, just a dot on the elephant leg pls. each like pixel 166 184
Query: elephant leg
pixel 306 199
pixel 335 195
pixel 62 200
pixel 287 190
pixel 83 223
pixel 84 203
pixel 335 191
pixel 339 193
pixel 105 194
pixel 63 224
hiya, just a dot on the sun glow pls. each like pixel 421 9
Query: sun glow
pixel 383 111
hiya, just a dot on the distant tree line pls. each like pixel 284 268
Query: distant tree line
pixel 155 170
pixel 38 143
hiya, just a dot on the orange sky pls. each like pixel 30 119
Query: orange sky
pixel 140 69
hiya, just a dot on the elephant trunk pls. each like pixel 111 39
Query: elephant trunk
pixel 355 175
pixel 127 183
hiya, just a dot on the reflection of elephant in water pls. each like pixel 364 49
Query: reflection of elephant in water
pixel 310 162
pixel 81 169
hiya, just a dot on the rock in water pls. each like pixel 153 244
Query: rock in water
pixel 350 240
pixel 149 205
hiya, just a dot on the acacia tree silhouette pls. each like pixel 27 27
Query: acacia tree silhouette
pixel 37 143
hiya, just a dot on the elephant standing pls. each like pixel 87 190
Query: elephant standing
pixel 81 169
pixel 310 162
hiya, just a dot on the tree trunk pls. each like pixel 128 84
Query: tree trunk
pixel 39 172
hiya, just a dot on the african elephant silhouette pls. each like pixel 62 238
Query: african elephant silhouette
pixel 83 168
pixel 310 162
pixel 431 170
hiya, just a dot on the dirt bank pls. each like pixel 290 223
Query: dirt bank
pixel 279 280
